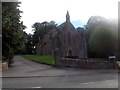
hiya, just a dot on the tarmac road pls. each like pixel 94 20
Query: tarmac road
pixel 29 74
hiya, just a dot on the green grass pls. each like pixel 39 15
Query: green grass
pixel 39 58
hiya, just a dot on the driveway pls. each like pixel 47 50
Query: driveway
pixel 29 74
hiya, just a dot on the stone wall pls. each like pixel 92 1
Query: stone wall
pixel 4 66
pixel 0 65
pixel 90 63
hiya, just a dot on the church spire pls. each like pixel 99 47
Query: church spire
pixel 67 17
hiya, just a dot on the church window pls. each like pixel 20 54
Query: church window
pixel 50 35
pixel 64 40
pixel 69 38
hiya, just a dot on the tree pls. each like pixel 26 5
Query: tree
pixel 101 37
pixel 102 42
pixel 40 30
pixel 29 44
pixel 12 30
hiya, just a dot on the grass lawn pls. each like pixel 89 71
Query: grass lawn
pixel 39 58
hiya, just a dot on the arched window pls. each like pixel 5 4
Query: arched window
pixel 50 35
pixel 70 53
pixel 64 39
pixel 69 38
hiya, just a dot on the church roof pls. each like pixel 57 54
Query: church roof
pixel 50 34
pixel 62 27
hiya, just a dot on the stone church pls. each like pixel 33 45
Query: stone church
pixel 64 39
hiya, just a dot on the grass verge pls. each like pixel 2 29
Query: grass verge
pixel 41 59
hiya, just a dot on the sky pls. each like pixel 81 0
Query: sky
pixel 80 11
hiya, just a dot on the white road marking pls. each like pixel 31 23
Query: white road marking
pixel 88 83
pixel 36 87
pixel 97 82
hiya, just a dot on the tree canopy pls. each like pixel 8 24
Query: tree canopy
pixel 101 37
pixel 40 30
pixel 12 30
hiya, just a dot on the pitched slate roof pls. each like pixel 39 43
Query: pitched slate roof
pixel 54 32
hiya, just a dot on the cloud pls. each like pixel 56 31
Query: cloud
pixel 47 10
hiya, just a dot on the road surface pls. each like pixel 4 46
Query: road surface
pixel 29 74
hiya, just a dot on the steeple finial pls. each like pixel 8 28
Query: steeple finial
pixel 67 17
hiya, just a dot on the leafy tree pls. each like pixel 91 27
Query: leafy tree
pixel 12 30
pixel 102 42
pixel 40 30
pixel 29 44
pixel 101 37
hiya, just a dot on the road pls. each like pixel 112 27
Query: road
pixel 29 74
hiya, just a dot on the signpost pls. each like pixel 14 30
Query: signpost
pixel 111 59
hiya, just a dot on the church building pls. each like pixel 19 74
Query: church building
pixel 66 39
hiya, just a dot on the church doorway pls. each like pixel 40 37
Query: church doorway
pixel 70 53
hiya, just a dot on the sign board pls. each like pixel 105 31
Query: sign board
pixel 112 57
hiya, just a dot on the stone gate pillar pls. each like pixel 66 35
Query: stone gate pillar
pixel 57 57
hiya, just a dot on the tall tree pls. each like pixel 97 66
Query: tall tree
pixel 12 30
pixel 40 30
pixel 29 44
pixel 101 37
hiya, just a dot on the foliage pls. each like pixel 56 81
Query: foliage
pixel 12 30
pixel 40 30
pixel 101 37
pixel 41 59
pixel 29 44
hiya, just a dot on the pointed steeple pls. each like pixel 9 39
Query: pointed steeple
pixel 67 17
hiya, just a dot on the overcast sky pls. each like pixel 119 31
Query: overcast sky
pixel 80 11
